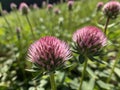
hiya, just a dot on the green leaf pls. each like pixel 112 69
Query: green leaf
pixel 88 85
pixel 100 25
pixel 3 87
pixel 97 60
pixel 91 84
pixel 104 85
pixel 31 70
pixel 38 77
pixel 74 84
pixel 89 70
pixel 71 67
pixel 117 71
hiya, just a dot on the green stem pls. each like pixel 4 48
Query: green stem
pixel 51 24
pixel 30 27
pixel 69 20
pixel 52 81
pixel 19 19
pixel 8 24
pixel 21 26
pixel 106 25
pixel 112 70
pixel 20 55
pixel 83 74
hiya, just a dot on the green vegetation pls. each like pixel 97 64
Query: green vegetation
pixel 13 50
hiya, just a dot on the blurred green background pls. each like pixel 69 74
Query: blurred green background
pixel 13 50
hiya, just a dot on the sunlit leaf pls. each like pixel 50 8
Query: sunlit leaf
pixel 117 71
pixel 104 85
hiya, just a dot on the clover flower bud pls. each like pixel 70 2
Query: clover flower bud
pixel 111 9
pixel 49 7
pixel 4 12
pixel 70 5
pixel 24 8
pixel 44 4
pixel 13 6
pixel 35 6
pixel 18 33
pixel 99 6
pixel 56 11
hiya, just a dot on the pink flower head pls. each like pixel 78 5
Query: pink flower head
pixel 4 12
pixel 111 9
pixel 35 6
pixel 70 4
pixel 99 6
pixel 24 8
pixel 50 7
pixel 89 40
pixel 57 11
pixel 49 53
pixel 13 6
pixel 44 4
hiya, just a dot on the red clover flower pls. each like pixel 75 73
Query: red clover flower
pixel 49 53
pixel 89 40
pixel 111 9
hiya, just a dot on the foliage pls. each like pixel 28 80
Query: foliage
pixel 13 50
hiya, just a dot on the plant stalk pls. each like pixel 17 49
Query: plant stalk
pixel 21 26
pixel 70 19
pixel 52 81
pixel 112 70
pixel 83 74
pixel 8 24
pixel 20 55
pixel 30 27
pixel 106 25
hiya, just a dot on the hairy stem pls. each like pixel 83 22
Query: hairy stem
pixel 8 24
pixel 106 25
pixel 83 74
pixel 52 81
pixel 31 28
pixel 112 70
pixel 19 20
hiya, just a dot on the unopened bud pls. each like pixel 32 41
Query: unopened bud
pixel 13 6
pixel 99 6
pixel 4 12
pixel 44 4
pixel 70 5
pixel 18 33
pixel 111 9
pixel 50 7
pixel 56 11
pixel 24 8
